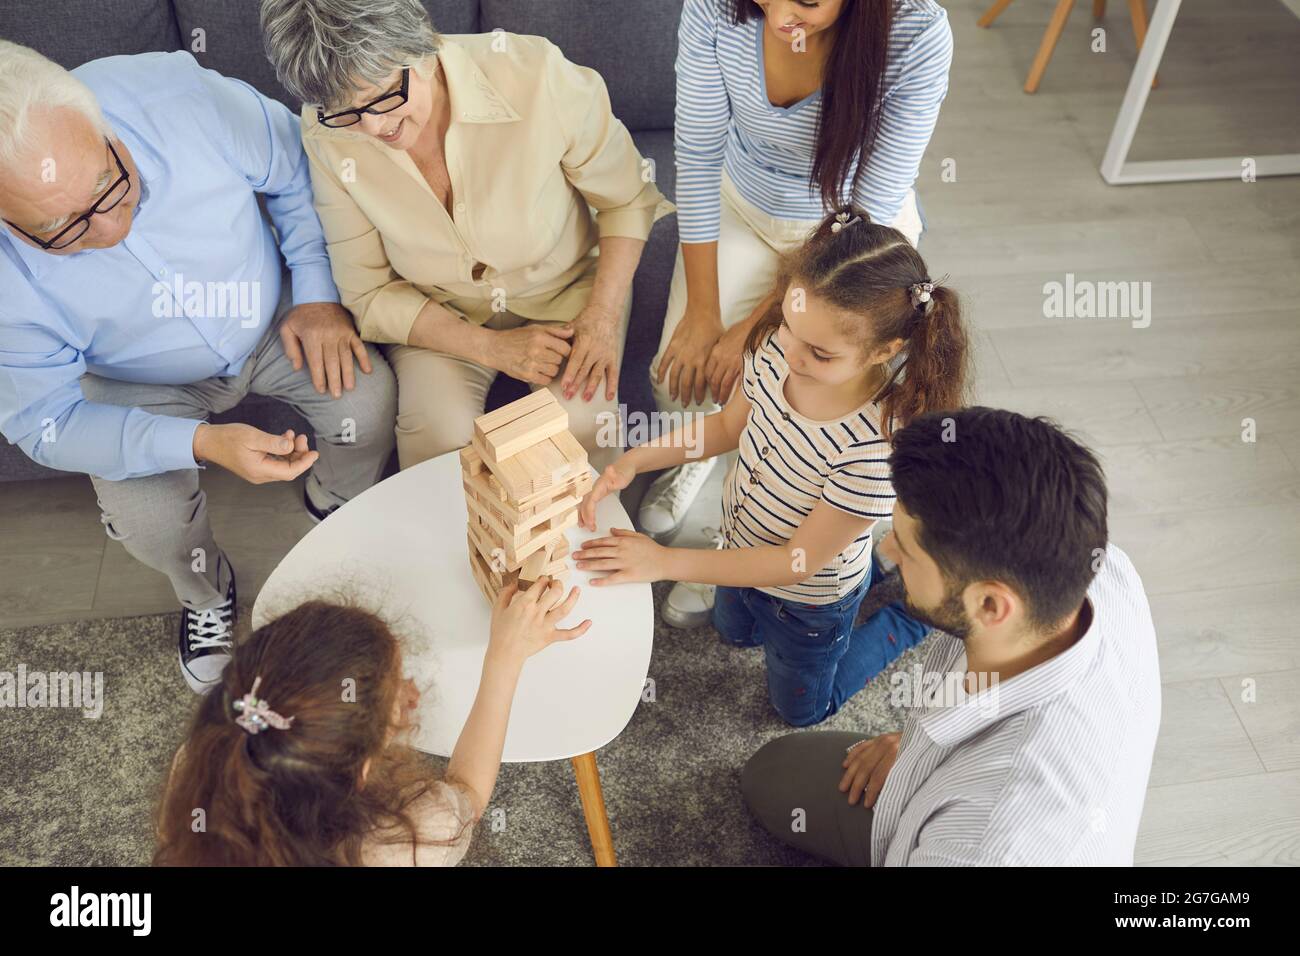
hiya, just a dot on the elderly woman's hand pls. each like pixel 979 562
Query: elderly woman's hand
pixel 594 355
pixel 531 353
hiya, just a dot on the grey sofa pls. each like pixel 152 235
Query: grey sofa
pixel 632 44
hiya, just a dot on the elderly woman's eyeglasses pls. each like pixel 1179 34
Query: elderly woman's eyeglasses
pixel 106 202
pixel 385 104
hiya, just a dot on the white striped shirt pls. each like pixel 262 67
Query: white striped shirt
pixel 788 463
pixel 724 118
pixel 1048 768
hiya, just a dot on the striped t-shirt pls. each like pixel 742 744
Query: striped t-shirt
pixel 724 119
pixel 1049 768
pixel 788 463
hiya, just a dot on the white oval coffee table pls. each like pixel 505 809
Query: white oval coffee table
pixel 400 548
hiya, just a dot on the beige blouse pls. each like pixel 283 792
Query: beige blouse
pixel 532 150
pixel 444 814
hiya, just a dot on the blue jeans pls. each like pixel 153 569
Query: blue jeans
pixel 816 658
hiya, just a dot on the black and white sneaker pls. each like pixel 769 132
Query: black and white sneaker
pixel 207 641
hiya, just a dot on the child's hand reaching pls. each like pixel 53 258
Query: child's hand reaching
pixel 615 477
pixel 523 622
pixel 624 557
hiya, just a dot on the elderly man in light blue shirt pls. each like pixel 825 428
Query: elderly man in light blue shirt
pixel 141 291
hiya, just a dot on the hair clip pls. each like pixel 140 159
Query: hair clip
pixel 920 293
pixel 842 219
pixel 257 715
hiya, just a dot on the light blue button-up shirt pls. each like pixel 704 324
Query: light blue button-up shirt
pixel 205 146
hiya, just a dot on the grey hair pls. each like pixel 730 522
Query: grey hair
pixel 30 81
pixel 322 50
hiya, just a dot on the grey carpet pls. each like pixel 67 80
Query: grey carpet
pixel 80 792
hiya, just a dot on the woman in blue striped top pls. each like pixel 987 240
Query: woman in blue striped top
pixel 785 109
pixel 821 395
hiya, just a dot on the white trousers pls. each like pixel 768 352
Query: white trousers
pixel 750 243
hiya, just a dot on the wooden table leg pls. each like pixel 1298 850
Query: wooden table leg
pixel 1054 28
pixel 993 12
pixel 593 808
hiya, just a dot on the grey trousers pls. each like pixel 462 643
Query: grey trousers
pixel 791 786
pixel 162 520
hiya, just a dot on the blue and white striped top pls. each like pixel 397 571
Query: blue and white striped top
pixel 724 119
pixel 1048 768
pixel 788 463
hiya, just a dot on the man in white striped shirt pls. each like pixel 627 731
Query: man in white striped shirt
pixel 1030 735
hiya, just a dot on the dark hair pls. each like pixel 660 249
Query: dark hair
pixel 295 796
pixel 852 88
pixel 998 496
pixel 867 270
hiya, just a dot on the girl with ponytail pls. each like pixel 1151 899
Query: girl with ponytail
pixel 300 758
pixel 860 341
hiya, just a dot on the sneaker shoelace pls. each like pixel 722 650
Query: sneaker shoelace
pixel 210 628
pixel 683 486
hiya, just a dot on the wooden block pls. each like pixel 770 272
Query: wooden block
pixel 508 413
pixel 536 564
pixel 544 465
pixel 516 548
pixel 482 486
pixel 506 534
pixel 523 433
pixel 541 540
pixel 555 511
pixel 569 447
pixel 492 551
pixel 576 485
pixel 480 578
pixel 516 481
pixel 470 462
pixel 561 549
pixel 509 526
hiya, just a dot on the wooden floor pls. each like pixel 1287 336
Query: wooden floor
pixel 1210 520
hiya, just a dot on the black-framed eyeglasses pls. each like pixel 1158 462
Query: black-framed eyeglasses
pixel 385 104
pixel 106 203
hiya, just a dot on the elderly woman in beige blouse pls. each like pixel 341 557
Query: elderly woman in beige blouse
pixel 484 209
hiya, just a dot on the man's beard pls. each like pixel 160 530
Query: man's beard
pixel 949 615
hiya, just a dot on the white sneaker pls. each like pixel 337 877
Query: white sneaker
pixel 690 604
pixel 665 505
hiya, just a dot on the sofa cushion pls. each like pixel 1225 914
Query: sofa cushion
pixel 232 36
pixel 632 45
pixel 73 32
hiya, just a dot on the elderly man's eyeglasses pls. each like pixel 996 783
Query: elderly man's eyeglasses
pixel 385 104
pixel 106 202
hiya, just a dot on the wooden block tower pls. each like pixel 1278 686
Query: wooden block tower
pixel 524 475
